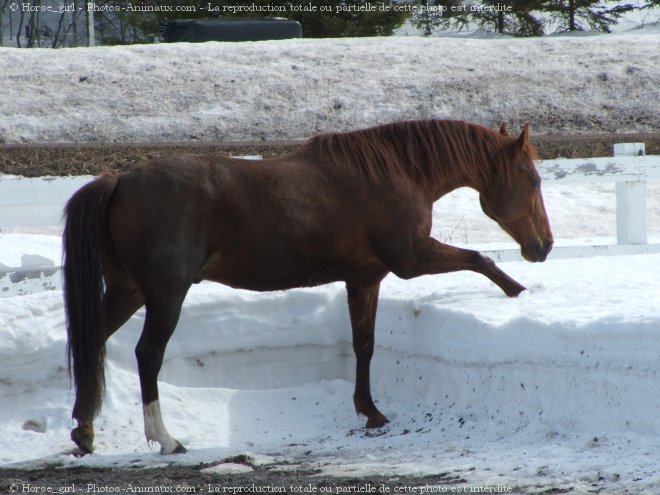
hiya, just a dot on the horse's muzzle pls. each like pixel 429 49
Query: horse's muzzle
pixel 537 250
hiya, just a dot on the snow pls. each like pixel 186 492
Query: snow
pixel 557 387
pixel 292 89
pixel 559 384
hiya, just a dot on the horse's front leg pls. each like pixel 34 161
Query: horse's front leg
pixel 429 256
pixel 362 304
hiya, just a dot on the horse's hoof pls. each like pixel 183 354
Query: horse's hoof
pixel 377 421
pixel 77 452
pixel 179 449
pixel 83 437
pixel 516 290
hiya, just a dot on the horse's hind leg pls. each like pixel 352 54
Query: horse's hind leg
pixel 362 304
pixel 161 319
pixel 119 304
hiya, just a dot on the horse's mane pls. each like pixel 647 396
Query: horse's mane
pixel 433 149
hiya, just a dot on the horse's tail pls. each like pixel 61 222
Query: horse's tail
pixel 85 233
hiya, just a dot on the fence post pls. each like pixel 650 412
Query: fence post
pixel 91 35
pixel 630 201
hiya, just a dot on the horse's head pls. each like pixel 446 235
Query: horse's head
pixel 516 203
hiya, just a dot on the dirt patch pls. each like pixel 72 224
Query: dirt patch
pixel 68 159
pixel 87 159
pixel 198 479
pixel 202 479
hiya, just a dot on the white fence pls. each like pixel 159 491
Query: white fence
pixel 38 202
pixel 35 202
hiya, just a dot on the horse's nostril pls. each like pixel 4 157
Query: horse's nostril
pixel 538 251
pixel 548 248
pixel 542 249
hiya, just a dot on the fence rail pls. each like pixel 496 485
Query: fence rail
pixel 604 169
pixel 38 202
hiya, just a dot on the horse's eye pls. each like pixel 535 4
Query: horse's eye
pixel 536 183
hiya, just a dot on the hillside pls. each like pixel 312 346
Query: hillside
pixel 292 89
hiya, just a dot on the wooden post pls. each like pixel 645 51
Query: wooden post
pixel 630 201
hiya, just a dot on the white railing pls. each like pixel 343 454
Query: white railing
pixel 38 202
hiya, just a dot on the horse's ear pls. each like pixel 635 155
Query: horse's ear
pixel 503 130
pixel 524 137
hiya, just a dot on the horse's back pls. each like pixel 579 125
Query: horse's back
pixel 249 224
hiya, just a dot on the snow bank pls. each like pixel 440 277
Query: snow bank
pixel 292 89
pixel 558 385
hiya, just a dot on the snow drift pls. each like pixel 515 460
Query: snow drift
pixel 560 385
pixel 293 89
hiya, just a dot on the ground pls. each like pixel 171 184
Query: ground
pixel 191 479
pixel 40 160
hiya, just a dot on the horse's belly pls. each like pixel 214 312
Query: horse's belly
pixel 265 284
pixel 261 275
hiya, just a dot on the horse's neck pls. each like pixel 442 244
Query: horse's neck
pixel 446 183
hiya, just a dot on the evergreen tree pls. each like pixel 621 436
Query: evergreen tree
pixel 525 17
pixel 346 18
pixel 581 15
pixel 515 17
pixel 429 15
pixel 650 4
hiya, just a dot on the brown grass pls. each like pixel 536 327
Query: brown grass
pixel 64 159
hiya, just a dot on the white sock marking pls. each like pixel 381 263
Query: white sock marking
pixel 154 428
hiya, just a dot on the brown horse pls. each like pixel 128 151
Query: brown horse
pixel 349 207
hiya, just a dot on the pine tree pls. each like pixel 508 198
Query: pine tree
pixel 429 15
pixel 582 15
pixel 515 17
pixel 345 19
